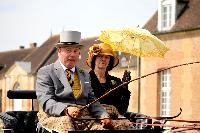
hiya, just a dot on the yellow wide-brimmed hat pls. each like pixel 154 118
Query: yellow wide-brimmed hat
pixel 103 49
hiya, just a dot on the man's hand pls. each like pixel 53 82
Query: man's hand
pixel 73 111
pixel 107 123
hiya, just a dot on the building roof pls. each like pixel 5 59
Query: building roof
pixel 187 18
pixel 7 59
pixel 41 56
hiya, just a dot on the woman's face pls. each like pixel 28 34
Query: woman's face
pixel 102 61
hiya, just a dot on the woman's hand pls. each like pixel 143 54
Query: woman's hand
pixel 73 111
pixel 126 76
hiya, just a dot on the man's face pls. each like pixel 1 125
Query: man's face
pixel 69 55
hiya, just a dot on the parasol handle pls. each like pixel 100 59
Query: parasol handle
pixel 107 93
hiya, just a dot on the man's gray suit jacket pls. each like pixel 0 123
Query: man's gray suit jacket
pixel 54 92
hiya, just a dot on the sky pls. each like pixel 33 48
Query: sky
pixel 26 21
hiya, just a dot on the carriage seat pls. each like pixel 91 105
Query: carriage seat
pixel 20 121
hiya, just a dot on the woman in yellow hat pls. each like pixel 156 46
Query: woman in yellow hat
pixel 101 59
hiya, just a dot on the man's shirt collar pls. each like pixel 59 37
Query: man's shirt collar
pixel 64 68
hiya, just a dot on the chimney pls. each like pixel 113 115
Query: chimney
pixel 21 47
pixel 33 45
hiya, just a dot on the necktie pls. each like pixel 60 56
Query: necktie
pixel 69 77
pixel 76 89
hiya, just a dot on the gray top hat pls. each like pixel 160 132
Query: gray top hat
pixel 69 38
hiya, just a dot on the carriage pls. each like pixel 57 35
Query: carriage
pixel 26 121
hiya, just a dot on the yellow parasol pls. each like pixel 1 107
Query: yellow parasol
pixel 135 41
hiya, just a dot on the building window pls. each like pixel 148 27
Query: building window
pixel 166 16
pixel 1 66
pixel 126 60
pixel 165 93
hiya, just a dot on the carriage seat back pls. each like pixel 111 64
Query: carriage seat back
pixel 20 121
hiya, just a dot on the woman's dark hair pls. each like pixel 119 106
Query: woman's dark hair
pixel 109 67
pixel 93 62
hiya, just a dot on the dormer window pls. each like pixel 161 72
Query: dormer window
pixel 166 17
pixel 166 14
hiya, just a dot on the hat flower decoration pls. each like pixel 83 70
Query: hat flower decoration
pixel 94 50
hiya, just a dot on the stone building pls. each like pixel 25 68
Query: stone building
pixel 177 24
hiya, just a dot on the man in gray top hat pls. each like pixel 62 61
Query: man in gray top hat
pixel 62 88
